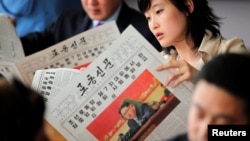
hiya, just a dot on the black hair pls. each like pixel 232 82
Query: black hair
pixel 21 111
pixel 124 104
pixel 200 19
pixel 231 72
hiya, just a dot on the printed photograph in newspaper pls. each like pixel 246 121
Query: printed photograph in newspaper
pixel 135 112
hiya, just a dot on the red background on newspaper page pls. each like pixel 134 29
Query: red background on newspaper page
pixel 105 127
pixel 82 66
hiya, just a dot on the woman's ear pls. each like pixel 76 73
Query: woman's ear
pixel 190 5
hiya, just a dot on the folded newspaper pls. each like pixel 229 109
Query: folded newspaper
pixel 89 104
pixel 80 49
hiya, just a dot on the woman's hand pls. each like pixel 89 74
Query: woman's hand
pixel 181 71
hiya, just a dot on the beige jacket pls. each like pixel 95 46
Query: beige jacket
pixel 211 47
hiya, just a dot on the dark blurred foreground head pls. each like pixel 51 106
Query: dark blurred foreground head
pixel 21 112
pixel 221 95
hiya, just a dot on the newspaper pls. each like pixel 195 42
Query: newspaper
pixel 77 51
pixel 51 82
pixel 87 107
pixel 10 45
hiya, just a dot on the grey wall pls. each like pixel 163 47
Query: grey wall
pixel 235 14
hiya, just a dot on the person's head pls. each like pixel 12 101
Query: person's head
pixel 127 110
pixel 21 112
pixel 221 95
pixel 172 21
pixel 100 9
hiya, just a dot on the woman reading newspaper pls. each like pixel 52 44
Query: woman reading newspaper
pixel 189 32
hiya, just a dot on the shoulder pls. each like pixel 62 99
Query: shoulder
pixel 72 20
pixel 147 110
pixel 235 45
pixel 73 14
pixel 217 45
pixel 17 8
pixel 132 124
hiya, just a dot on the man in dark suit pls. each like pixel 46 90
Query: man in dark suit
pixel 137 113
pixel 71 23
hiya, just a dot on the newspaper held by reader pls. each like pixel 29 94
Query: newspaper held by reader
pixel 88 108
pixel 80 49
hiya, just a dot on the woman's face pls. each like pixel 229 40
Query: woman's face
pixel 166 22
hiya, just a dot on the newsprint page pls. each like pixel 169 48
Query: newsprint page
pixel 89 105
pixel 74 52
pixel 10 47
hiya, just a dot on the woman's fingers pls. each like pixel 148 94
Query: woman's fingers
pixel 182 72
pixel 170 64
pixel 177 77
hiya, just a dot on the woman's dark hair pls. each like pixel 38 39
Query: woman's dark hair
pixel 228 71
pixel 200 19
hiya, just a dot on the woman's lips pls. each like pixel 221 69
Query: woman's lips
pixel 159 36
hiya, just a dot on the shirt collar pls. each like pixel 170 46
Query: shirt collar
pixel 113 17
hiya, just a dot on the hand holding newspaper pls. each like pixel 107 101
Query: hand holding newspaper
pixel 87 108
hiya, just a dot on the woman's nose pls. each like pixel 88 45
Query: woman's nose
pixel 153 24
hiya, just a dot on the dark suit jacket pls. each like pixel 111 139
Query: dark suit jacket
pixel 143 112
pixel 71 23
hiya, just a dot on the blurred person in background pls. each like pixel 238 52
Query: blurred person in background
pixel 35 15
pixel 94 12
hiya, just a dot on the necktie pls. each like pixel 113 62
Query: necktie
pixel 99 23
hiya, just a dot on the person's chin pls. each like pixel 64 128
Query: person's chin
pixel 164 44
pixel 96 16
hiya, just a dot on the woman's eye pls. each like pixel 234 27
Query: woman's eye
pixel 159 11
